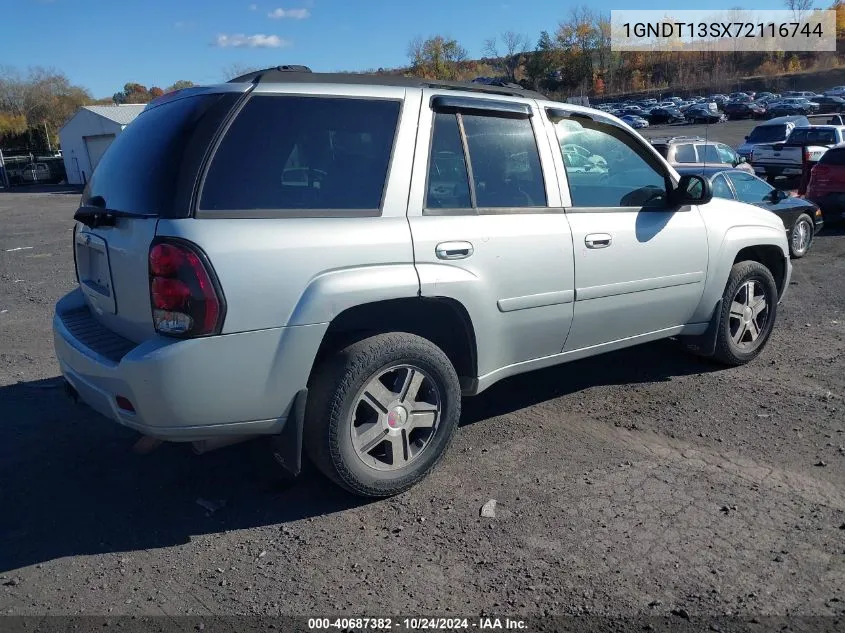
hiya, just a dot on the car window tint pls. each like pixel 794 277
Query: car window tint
pixel 726 153
pixel 505 162
pixel 621 172
pixel 448 183
pixel 708 154
pixel 721 189
pixel 284 152
pixel 749 188
pixel 685 153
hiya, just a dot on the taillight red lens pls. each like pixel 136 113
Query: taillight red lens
pixel 165 259
pixel 185 298
pixel 169 294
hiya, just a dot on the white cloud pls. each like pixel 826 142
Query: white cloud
pixel 253 7
pixel 240 40
pixel 293 14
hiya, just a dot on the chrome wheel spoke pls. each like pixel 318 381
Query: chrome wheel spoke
pixel 399 449
pixel 758 306
pixel 737 310
pixel 411 386
pixel 371 437
pixel 753 330
pixel 422 419
pixel 378 395
pixel 740 332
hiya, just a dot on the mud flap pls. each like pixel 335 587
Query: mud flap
pixel 287 445
pixel 704 344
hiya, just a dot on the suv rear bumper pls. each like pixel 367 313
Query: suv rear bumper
pixel 764 169
pixel 832 206
pixel 185 390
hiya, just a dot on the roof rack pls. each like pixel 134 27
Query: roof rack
pixel 672 139
pixel 269 74
pixel 303 74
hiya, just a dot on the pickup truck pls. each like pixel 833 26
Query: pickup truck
pixel 787 158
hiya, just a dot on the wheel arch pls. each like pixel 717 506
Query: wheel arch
pixel 443 321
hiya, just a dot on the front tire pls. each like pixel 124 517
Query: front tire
pixel 381 413
pixel 749 309
pixel 801 236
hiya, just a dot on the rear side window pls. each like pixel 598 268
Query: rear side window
pixel 685 153
pixel 158 155
pixel 503 159
pixel 304 153
pixel 833 157
pixel 505 162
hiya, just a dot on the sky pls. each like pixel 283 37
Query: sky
pixel 103 44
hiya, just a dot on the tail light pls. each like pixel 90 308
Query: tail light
pixel 185 295
pixel 806 155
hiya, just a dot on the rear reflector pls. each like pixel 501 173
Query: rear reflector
pixel 123 403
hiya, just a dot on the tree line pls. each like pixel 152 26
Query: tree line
pixel 576 59
pixel 36 103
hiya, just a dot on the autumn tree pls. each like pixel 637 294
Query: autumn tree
pixel 437 57
pixel 180 85
pixel 512 54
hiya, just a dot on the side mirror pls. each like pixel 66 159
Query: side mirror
pixel 776 195
pixel 691 189
pixel 746 137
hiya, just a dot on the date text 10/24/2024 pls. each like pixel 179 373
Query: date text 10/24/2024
pixel 416 624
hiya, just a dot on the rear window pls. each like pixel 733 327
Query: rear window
pixel 157 155
pixel 767 134
pixel 812 136
pixel 307 153
pixel 833 157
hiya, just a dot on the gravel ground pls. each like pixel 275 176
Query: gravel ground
pixel 637 483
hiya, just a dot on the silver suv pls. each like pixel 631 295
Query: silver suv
pixel 335 260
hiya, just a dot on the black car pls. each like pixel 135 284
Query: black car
pixel 665 115
pixel 744 110
pixel 792 107
pixel 801 218
pixel 830 104
pixel 702 114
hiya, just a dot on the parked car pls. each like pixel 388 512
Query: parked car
pixel 830 104
pixel 690 151
pixel 826 119
pixel 827 184
pixel 665 115
pixel 792 106
pixel 704 113
pixel 635 121
pixel 744 110
pixel 801 218
pixel 349 317
pixel 741 97
pixel 836 91
pixel 805 144
pixel 43 172
pixel 772 131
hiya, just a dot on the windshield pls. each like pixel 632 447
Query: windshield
pixel 767 133
pixel 141 170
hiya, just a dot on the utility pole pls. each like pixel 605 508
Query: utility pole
pixel 47 135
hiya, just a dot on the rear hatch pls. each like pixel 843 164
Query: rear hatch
pixel 149 172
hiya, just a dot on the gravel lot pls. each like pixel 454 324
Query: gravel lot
pixel 636 483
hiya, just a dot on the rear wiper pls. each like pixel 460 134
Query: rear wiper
pixel 99 216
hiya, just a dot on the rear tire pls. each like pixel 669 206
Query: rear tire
pixel 801 236
pixel 381 413
pixel 749 310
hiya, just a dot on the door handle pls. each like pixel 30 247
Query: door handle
pixel 453 250
pixel 598 240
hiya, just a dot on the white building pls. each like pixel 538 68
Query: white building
pixel 87 135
